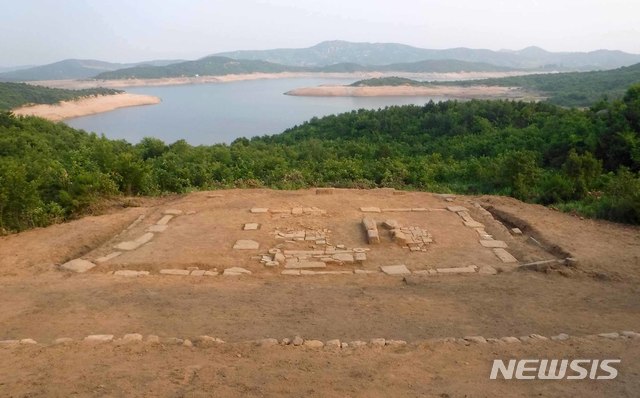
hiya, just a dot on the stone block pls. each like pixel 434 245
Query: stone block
pixel 630 334
pixel 360 256
pixel 201 272
pixel 235 271
pixel 165 220
pixel 487 270
pixel 395 343
pixel 108 257
pixel 130 273
pixel 297 341
pixel 493 244
pixel 560 337
pixel 613 335
pixel 246 244
pixel 455 209
pixel 78 265
pixel 364 272
pixel 373 237
pixel 516 231
pixel 458 270
pixel 290 272
pixel 290 264
pixel 391 224
pixel 259 210
pixel 335 343
pixel 313 344
pixel 397 210
pixel 357 344
pixel 251 226
pixel 473 224
pixel 370 209
pixel 475 339
pixel 395 269
pixel 344 257
pixel 378 342
pixel 157 228
pixel 28 341
pixel 99 338
pixel 179 272
pixel 504 256
pixel 132 337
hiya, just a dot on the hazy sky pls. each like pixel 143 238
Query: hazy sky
pixel 43 31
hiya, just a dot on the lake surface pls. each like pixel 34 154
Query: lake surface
pixel 221 112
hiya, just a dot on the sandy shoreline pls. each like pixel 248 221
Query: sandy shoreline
pixel 458 92
pixel 173 81
pixel 85 106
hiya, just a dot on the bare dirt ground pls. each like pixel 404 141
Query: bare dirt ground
pixel 596 293
pixel 86 106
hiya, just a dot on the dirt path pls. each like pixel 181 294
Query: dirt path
pixel 596 293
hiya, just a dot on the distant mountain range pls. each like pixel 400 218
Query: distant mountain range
pixel 71 69
pixel 334 56
pixel 220 66
pixel 333 52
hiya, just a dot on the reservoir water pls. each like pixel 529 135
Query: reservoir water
pixel 221 112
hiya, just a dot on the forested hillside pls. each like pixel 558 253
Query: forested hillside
pixel 572 88
pixel 582 160
pixel 13 95
pixel 566 89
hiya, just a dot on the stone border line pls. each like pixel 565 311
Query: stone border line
pixel 81 265
pixel 297 341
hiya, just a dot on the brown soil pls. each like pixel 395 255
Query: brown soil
pixel 599 294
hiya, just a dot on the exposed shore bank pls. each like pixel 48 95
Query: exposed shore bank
pixel 457 92
pixel 173 81
pixel 85 106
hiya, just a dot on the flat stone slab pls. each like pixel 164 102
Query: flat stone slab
pixel 78 265
pixel 487 270
pixel 457 270
pixel 165 220
pixel 304 264
pixel 99 338
pixel 259 210
pixel 246 244
pixel 370 209
pixel 172 212
pixel 201 272
pixel 395 269
pixel 134 244
pixel 516 231
pixel 131 273
pixel 157 228
pixel 252 226
pixel 494 244
pixel 473 224
pixel 175 271
pixel 456 209
pixel 234 271
pixel 108 257
pixel 344 257
pixel 397 209
pixel 290 272
pixel 504 256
